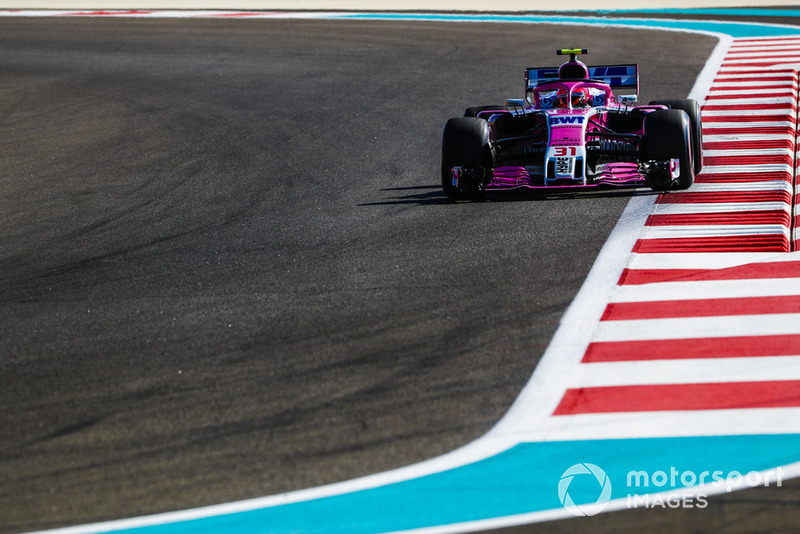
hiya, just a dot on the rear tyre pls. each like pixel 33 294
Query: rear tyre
pixel 465 144
pixel 667 135
pixel 692 109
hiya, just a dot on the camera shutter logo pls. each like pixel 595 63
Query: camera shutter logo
pixel 584 470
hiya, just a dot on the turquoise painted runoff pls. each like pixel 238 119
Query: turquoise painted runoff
pixel 735 29
pixel 733 12
pixel 520 480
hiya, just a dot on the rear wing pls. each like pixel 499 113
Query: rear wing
pixel 616 76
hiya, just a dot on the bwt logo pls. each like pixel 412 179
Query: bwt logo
pixel 555 121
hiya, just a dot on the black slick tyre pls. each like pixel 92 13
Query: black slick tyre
pixel 667 135
pixel 692 109
pixel 465 144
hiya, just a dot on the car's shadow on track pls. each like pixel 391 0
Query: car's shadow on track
pixel 426 195
pixel 423 195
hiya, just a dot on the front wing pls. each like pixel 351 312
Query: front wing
pixel 655 174
pixel 612 174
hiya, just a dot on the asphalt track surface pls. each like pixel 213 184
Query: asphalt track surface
pixel 227 269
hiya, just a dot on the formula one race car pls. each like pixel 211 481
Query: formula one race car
pixel 571 131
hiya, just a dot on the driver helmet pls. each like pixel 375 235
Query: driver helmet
pixel 580 98
pixel 561 98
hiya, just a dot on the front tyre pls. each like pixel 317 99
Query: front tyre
pixel 466 148
pixel 666 136
pixel 692 109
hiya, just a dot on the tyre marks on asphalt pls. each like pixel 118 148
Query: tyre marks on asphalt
pixel 705 316
pixel 692 357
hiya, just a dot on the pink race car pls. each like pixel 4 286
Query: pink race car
pixel 571 131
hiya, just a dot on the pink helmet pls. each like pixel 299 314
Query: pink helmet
pixel 580 98
pixel 561 98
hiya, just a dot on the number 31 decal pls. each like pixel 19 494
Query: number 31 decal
pixel 565 151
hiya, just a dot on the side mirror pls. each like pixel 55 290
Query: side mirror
pixel 628 99
pixel 515 103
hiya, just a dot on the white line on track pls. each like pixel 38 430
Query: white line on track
pixel 732 112
pixel 776 95
pixel 702 260
pixel 772 53
pixel 777 84
pixel 706 289
pixel 754 74
pixel 745 112
pixel 768 60
pixel 716 138
pixel 749 152
pixel 784 96
pixel 729 71
pixel 768 47
pixel 697 327
pixel 719 207
pixel 744 169
pixel 690 371
pixel 673 231
pixel 749 125
pixel 757 105
pixel 762 185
